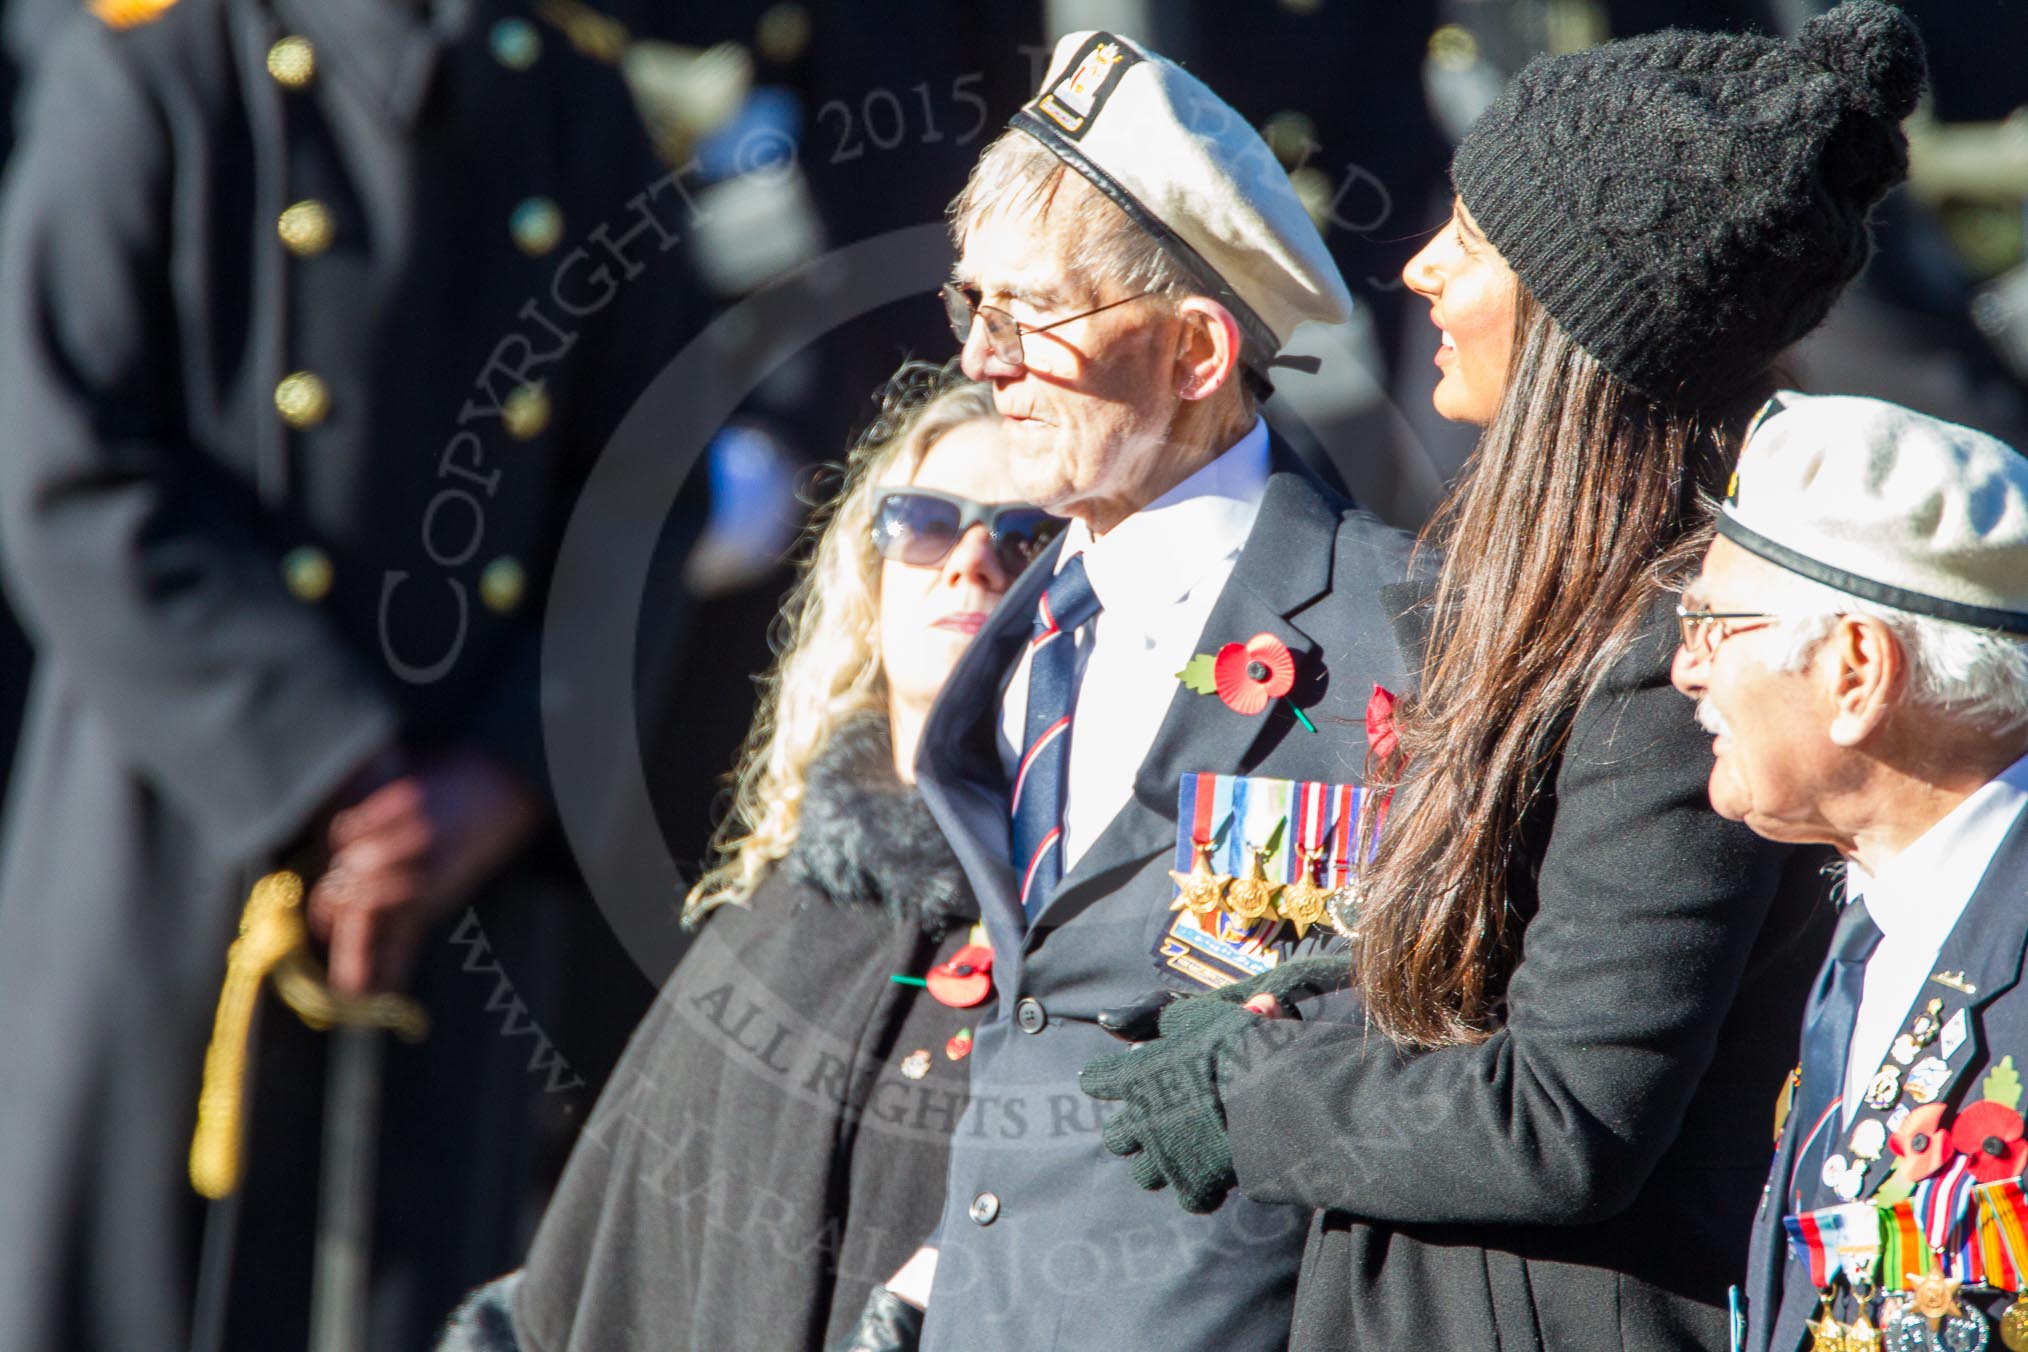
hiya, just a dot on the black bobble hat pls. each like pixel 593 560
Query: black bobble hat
pixel 1686 204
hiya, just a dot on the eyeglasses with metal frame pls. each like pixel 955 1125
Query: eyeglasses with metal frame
pixel 1003 331
pixel 1703 630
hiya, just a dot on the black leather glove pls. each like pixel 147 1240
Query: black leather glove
pixel 1170 1121
pixel 887 1324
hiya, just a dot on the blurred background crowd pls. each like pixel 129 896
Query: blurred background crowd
pixel 803 129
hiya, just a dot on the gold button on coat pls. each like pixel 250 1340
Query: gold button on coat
pixel 526 412
pixel 537 226
pixel 307 228
pixel 503 584
pixel 306 571
pixel 292 61
pixel 303 399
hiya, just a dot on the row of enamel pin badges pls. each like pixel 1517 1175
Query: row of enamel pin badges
pixel 961 981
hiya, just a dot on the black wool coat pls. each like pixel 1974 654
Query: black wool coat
pixel 761 1158
pixel 1586 1177
pixel 240 592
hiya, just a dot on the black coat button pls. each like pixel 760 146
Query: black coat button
pixel 985 1209
pixel 1029 1015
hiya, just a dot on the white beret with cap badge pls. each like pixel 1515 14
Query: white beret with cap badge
pixel 1888 505
pixel 1192 172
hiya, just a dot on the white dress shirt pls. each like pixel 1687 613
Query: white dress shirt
pixel 1157 575
pixel 1916 900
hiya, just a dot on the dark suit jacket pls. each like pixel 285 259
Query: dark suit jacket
pixel 1985 947
pixel 1583 1178
pixel 1046 1242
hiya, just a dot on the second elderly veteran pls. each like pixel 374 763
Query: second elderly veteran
pixel 1132 260
pixel 1858 643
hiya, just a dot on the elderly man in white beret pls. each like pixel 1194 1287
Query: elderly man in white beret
pixel 1857 642
pixel 1165 693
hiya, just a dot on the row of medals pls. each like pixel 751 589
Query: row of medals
pixel 1253 896
pixel 1928 1317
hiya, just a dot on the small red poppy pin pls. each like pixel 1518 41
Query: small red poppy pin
pixel 1380 735
pixel 965 980
pixel 1247 676
pixel 1921 1141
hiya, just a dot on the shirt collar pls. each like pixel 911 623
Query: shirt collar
pixel 1156 556
pixel 1922 891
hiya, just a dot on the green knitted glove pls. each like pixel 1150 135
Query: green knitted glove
pixel 1288 982
pixel 1170 1121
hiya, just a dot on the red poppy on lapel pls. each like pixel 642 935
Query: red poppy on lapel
pixel 965 980
pixel 1989 1135
pixel 1921 1142
pixel 1380 735
pixel 1253 674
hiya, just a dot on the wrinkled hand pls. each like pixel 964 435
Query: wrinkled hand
pixel 404 855
pixel 1171 1122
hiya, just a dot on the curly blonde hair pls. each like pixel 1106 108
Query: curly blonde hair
pixel 827 667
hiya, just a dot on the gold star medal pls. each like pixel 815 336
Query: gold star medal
pixel 1302 902
pixel 1202 892
pixel 1826 1333
pixel 1251 896
pixel 1935 1297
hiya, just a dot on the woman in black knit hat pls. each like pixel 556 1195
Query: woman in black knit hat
pixel 1541 1117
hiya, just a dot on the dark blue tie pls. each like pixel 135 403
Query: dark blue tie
pixel 1827 1025
pixel 1039 783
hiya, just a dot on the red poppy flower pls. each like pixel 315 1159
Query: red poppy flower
pixel 1922 1142
pixel 1252 674
pixel 965 980
pixel 1989 1135
pixel 1380 737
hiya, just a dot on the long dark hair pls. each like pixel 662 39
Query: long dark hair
pixel 1581 495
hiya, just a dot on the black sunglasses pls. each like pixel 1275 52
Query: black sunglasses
pixel 922 526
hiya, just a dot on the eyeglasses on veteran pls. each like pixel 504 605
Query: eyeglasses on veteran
pixel 1003 331
pixel 1704 630
pixel 922 526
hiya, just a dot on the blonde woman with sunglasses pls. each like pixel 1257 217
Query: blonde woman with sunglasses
pixel 774 1141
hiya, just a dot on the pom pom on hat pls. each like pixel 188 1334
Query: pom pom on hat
pixel 1686 205
pixel 1875 50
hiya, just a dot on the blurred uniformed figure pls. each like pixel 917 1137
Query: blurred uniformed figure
pixel 315 313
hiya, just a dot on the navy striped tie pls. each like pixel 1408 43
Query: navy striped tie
pixel 1039 784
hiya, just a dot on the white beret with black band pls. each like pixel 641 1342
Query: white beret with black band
pixel 1192 172
pixel 1888 505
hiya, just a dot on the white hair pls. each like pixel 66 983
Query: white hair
pixel 1018 173
pixel 1975 676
